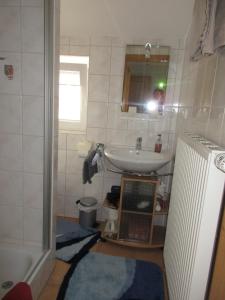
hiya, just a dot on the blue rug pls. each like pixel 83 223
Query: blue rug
pixel 73 241
pixel 102 277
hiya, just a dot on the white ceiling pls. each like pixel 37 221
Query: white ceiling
pixel 132 20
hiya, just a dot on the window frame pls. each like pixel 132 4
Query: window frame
pixel 69 125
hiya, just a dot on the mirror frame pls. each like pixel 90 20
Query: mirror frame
pixel 136 58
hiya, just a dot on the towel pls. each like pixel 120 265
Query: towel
pixel 21 291
pixel 89 169
pixel 208 28
pixel 202 29
pixel 219 36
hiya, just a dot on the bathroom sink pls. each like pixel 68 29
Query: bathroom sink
pixel 132 160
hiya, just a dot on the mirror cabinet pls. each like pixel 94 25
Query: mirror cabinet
pixel 145 78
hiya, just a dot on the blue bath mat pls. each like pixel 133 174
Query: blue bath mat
pixel 102 277
pixel 73 241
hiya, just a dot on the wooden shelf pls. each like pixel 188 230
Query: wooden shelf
pixel 129 243
pixel 158 235
pixel 133 244
pixel 136 226
pixel 136 212
pixel 161 212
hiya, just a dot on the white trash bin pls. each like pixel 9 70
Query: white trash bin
pixel 87 211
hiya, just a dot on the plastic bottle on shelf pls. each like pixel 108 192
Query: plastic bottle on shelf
pixel 158 143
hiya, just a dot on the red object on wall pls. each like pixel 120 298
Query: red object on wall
pixel 21 291
pixel 9 71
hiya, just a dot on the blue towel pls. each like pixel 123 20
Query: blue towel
pixel 89 170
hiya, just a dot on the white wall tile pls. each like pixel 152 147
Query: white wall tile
pixel 74 163
pixel 218 98
pixel 33 115
pixel 117 61
pixel 62 141
pixel 32 67
pixel 10 114
pixel 214 126
pixel 33 154
pixel 137 124
pixel 116 89
pixel 97 114
pixel 11 86
pixel 96 135
pixel 32 29
pixel 33 190
pixel 173 63
pixel 61 184
pixel 209 76
pixel 74 185
pixel 117 137
pixel 33 225
pixel 100 41
pixel 37 3
pixel 202 91
pixel 10 152
pixel 98 88
pixel 114 117
pixel 170 89
pixel 9 2
pixel 62 161
pixel 71 209
pixel 10 39
pixel 117 42
pixel 82 40
pixel 11 186
pixel 11 222
pixel 60 209
pixel 73 140
pixel 79 50
pixel 222 137
pixel 22 30
pixel 100 60
pixel 64 41
pixel 64 50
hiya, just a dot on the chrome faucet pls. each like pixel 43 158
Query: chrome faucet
pixel 139 143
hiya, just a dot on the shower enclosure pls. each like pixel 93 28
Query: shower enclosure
pixel 28 114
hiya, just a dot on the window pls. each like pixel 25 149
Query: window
pixel 73 92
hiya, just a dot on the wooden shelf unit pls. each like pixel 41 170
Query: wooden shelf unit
pixel 137 226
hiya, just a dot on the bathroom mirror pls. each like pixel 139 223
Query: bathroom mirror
pixel 145 78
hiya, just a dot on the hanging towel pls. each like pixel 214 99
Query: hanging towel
pixel 202 29
pixel 219 35
pixel 89 170
pixel 208 28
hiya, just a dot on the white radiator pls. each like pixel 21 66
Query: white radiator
pixel 196 198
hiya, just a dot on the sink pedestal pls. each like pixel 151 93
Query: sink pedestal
pixel 141 216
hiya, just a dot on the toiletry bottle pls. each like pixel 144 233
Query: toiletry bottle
pixel 158 144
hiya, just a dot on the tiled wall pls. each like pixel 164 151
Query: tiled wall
pixel 105 122
pixel 21 121
pixel 202 99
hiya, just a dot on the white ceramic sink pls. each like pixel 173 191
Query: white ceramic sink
pixel 140 161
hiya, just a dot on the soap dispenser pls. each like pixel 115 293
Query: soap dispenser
pixel 158 143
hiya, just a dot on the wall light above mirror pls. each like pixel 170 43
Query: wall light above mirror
pixel 145 78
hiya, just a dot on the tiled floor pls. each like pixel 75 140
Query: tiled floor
pixel 53 284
